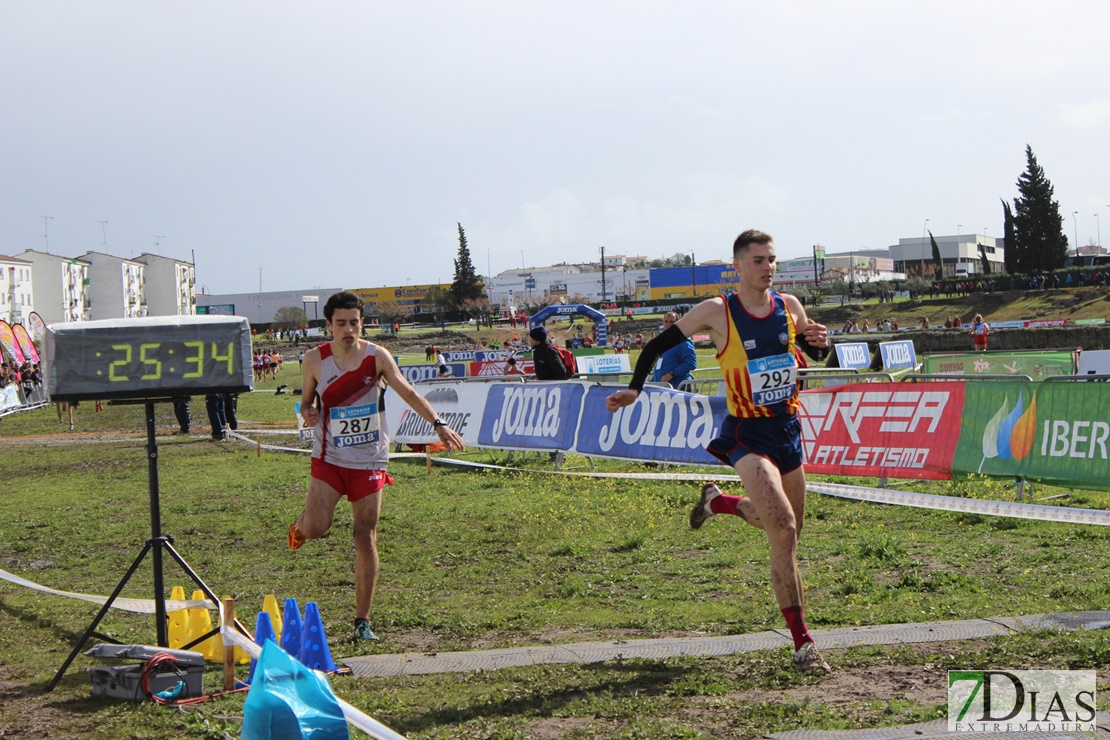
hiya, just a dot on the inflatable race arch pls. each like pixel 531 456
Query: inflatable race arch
pixel 599 319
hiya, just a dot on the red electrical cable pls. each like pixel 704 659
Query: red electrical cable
pixel 158 661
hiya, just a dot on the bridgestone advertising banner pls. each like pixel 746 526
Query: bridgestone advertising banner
pixel 1055 432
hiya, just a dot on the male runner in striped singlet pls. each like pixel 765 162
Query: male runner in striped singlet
pixel 341 398
pixel 755 330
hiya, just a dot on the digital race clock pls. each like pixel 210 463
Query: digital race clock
pixel 153 357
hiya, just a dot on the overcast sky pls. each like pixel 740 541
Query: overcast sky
pixel 338 143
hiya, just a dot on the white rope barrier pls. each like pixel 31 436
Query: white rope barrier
pixel 232 434
pixel 277 448
pixel 860 493
pixel 285 432
pixel 969 505
pixel 572 473
pixel 139 606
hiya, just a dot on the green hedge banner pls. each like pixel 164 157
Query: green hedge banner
pixel 1037 365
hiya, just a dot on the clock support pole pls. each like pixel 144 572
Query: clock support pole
pixel 155 545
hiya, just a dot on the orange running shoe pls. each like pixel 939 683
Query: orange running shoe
pixel 296 539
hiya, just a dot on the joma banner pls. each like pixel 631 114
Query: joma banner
pixel 531 415
pixel 417 373
pixel 662 425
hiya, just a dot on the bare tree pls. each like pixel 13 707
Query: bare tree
pixel 478 309
pixel 438 302
pixel 290 317
pixel 538 303
pixel 390 313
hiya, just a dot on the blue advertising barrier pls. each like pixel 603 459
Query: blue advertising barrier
pixel 663 424
pixel 898 355
pixel 853 355
pixel 416 373
pixel 531 416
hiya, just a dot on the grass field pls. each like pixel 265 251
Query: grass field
pixel 480 560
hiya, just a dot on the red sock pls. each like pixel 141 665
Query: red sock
pixel 725 504
pixel 797 624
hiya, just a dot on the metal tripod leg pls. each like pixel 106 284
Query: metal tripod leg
pixel 100 615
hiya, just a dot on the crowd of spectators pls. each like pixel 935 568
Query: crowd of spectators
pixel 27 376
pixel 988 284
pixel 1032 281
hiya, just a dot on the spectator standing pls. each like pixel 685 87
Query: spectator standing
pixel 675 364
pixel 547 363
pixel 979 332
pixel 181 413
pixel 217 418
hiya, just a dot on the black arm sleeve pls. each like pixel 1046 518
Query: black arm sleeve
pixel 815 353
pixel 652 350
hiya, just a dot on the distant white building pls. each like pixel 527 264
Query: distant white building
pixel 959 255
pixel 568 283
pixel 170 285
pixel 61 286
pixel 260 308
pixel 16 292
pixel 116 289
pixel 863 266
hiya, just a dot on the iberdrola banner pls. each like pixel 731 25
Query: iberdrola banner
pixel 1056 432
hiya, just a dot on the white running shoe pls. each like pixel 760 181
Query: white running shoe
pixel 808 659
pixel 701 510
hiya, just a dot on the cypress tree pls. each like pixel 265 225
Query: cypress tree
pixel 466 284
pixel 983 260
pixel 1010 248
pixel 1038 224
pixel 938 263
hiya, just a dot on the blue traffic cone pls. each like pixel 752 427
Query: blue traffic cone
pixel 291 625
pixel 315 653
pixel 263 630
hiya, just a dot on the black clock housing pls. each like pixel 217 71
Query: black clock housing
pixel 151 357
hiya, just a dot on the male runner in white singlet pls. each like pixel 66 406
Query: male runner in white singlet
pixel 341 398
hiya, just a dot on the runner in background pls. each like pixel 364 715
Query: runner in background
pixel 341 399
